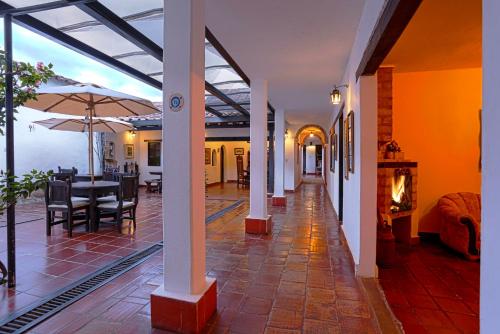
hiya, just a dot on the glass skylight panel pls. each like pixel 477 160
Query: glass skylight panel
pixel 60 17
pixel 127 8
pixel 144 63
pixel 147 17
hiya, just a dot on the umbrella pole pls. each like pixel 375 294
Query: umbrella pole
pixel 91 144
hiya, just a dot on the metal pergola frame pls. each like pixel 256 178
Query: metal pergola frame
pixel 108 18
pixel 118 25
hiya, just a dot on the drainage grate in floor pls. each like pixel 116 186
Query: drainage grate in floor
pixel 31 316
pixel 222 212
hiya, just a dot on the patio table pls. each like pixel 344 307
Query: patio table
pixel 92 190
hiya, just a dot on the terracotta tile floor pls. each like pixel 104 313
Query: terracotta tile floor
pixel 431 289
pixel 299 279
pixel 45 264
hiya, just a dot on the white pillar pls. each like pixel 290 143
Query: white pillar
pixel 365 132
pixel 183 170
pixel 258 220
pixel 279 198
pixel 490 229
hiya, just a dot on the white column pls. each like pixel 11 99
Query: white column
pixel 183 145
pixel 490 228
pixel 258 149
pixel 365 132
pixel 279 153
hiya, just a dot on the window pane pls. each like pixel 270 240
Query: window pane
pixel 154 153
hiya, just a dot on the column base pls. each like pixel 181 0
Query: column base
pixel 258 225
pixel 183 313
pixel 279 201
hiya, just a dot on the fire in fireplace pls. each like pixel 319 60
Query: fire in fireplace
pixel 401 190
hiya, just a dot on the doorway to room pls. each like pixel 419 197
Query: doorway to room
pixel 222 163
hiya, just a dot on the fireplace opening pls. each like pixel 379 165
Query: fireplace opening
pixel 401 190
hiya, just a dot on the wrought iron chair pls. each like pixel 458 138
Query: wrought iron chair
pixel 58 199
pixel 125 206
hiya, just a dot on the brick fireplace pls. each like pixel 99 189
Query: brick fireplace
pixel 396 177
pixel 397 195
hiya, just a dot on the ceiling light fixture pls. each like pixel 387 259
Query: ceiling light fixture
pixel 335 95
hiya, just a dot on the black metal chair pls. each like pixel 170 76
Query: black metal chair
pixel 125 205
pixel 58 199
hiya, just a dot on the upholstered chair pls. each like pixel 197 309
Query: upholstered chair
pixel 461 223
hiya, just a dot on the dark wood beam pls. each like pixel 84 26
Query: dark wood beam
pixel 227 57
pixel 213 111
pixel 391 24
pixel 224 98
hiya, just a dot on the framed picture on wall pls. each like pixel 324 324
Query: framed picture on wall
pixel 129 151
pixel 109 151
pixel 349 144
pixel 332 156
pixel 208 156
pixel 239 151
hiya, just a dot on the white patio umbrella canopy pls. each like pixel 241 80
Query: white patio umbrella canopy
pixel 90 100
pixel 81 124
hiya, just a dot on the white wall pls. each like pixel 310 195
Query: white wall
pixel 360 189
pixel 490 228
pixel 310 159
pixel 141 139
pixel 230 170
pixel 45 149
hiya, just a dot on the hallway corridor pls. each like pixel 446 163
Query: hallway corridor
pixel 299 279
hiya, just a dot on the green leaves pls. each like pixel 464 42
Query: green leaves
pixel 21 187
pixel 27 78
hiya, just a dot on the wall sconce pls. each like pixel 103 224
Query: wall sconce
pixel 286 133
pixel 132 133
pixel 335 95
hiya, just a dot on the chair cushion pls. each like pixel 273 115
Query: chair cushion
pixel 76 205
pixel 79 199
pixel 114 205
pixel 110 198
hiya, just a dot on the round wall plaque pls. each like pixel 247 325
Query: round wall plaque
pixel 176 102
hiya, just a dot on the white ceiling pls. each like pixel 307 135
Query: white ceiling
pixel 301 47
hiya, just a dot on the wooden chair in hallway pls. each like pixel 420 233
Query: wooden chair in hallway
pixel 242 176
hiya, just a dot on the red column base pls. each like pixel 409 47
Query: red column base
pixel 258 225
pixel 181 313
pixel 279 201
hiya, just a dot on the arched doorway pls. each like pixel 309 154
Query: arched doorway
pixel 312 139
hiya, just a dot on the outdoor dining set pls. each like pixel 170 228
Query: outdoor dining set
pixel 71 200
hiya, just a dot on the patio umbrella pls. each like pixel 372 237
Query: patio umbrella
pixel 90 100
pixel 82 124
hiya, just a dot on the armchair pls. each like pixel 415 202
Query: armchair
pixel 461 223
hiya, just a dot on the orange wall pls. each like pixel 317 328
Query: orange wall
pixel 436 122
